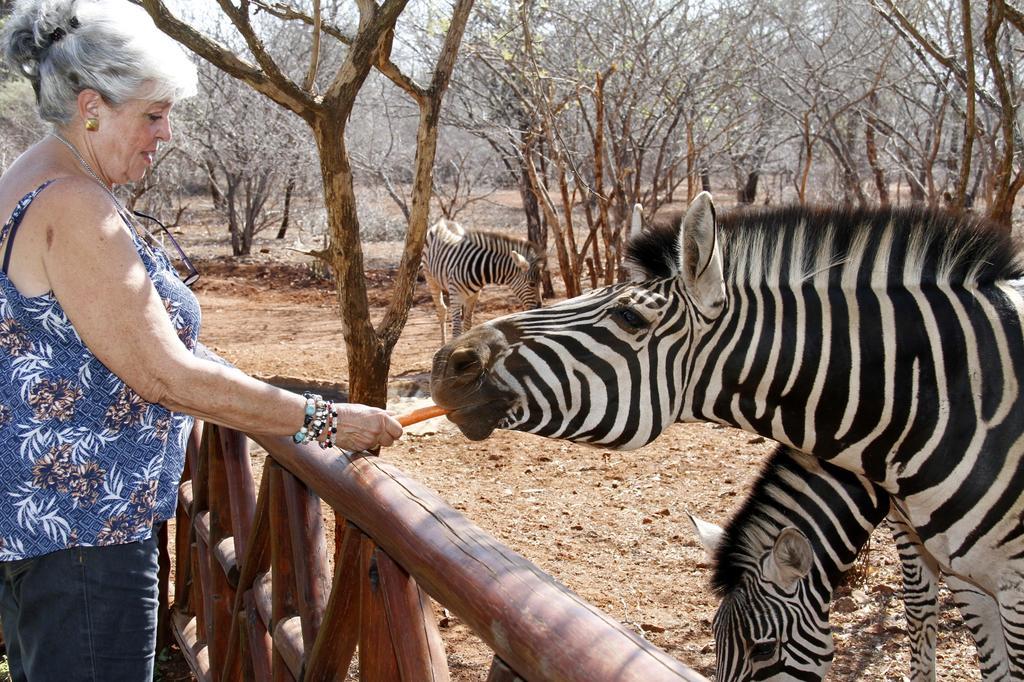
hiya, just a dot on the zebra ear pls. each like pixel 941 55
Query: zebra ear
pixel 791 558
pixel 636 272
pixel 520 261
pixel 700 256
pixel 709 534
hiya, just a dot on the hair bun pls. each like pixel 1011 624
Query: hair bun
pixel 33 29
pixel 59 32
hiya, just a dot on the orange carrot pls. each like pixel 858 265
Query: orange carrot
pixel 423 413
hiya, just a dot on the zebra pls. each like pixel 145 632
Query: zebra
pixel 461 262
pixel 781 556
pixel 889 342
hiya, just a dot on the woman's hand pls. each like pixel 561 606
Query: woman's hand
pixel 361 427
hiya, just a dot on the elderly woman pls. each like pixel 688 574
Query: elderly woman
pixel 99 380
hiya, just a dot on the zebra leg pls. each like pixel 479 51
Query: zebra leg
pixel 1011 616
pixel 467 310
pixel 980 612
pixel 458 307
pixel 439 306
pixel 920 597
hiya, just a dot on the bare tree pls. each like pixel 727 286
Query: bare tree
pixel 326 112
pixel 462 176
pixel 596 107
pixel 985 76
pixel 249 148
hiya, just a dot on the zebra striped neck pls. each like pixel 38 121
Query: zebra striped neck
pixel 834 508
pixel 832 336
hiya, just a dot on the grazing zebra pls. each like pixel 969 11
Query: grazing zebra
pixel 889 342
pixel 461 262
pixel 780 558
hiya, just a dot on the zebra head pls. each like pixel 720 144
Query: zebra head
pixel 526 282
pixel 604 368
pixel 768 625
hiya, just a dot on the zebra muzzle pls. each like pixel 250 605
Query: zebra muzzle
pixel 461 382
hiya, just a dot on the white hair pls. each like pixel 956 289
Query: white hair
pixel 111 46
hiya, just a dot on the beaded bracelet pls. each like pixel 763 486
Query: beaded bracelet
pixel 331 427
pixel 314 420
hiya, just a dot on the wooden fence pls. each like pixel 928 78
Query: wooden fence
pixel 255 599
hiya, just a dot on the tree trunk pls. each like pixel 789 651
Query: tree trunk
pixel 612 242
pixel 917 191
pixel 691 164
pixel 970 127
pixel 344 254
pixel 536 228
pixel 748 193
pixel 211 178
pixel 871 150
pixel 250 213
pixel 851 175
pixel 575 253
pixel 1007 180
pixel 544 200
pixel 808 158
pixel 234 229
pixel 288 189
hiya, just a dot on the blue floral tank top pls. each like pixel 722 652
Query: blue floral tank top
pixel 84 460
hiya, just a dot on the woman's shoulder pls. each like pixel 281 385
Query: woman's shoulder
pixel 62 195
pixel 72 202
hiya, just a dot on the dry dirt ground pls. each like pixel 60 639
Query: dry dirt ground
pixel 612 526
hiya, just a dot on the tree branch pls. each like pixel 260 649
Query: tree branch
pixel 374 24
pixel 384 64
pixel 397 312
pixel 1014 16
pixel 240 18
pixel 909 32
pixel 314 57
pixel 291 98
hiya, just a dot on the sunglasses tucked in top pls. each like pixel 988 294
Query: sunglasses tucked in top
pixel 186 270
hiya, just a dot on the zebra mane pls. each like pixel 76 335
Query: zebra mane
pixel 501 242
pixel 734 553
pixel 785 475
pixel 912 244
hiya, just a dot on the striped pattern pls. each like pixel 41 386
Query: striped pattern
pixel 461 262
pixel 773 618
pixel 889 343
pixel 920 595
pixel 770 628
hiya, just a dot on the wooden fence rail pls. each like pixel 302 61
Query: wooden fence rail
pixel 255 598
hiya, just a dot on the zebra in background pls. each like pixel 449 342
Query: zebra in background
pixel 889 342
pixel 461 262
pixel 779 559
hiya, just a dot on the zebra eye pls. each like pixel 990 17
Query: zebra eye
pixel 763 650
pixel 630 318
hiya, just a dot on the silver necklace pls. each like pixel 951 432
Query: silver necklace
pixel 121 210
pixel 89 170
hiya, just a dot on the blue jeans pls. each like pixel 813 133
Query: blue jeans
pixel 86 613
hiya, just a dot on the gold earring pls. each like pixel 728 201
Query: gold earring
pixel 92 124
